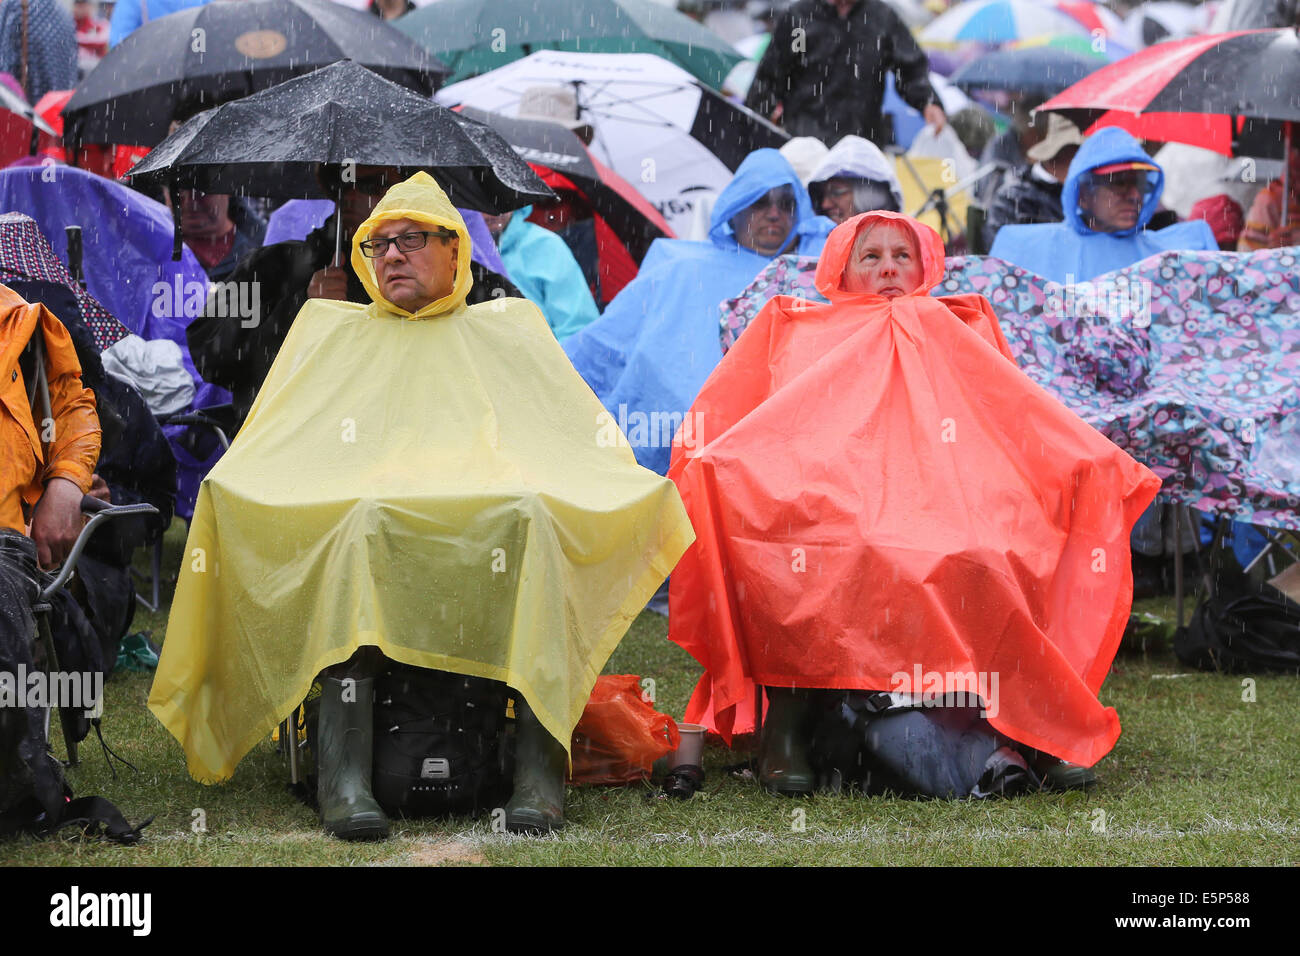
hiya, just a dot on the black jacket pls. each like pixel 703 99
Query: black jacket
pixel 829 73
pixel 1022 199
pixel 237 353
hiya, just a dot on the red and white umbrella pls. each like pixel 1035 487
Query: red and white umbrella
pixel 1228 92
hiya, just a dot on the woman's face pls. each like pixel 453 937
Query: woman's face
pixel 885 261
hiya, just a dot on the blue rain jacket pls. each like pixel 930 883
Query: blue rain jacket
pixel 539 262
pixel 1071 252
pixel 648 355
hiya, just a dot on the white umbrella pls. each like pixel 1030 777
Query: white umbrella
pixel 655 125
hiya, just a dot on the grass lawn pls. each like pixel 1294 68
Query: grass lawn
pixel 1199 777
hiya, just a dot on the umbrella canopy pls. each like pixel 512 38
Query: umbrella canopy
pixel 655 125
pixel 1229 92
pixel 476 36
pixel 272 143
pixel 999 21
pixel 1039 71
pixel 553 147
pixel 229 49
pixel 1071 43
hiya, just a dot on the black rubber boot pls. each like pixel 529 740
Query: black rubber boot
pixel 783 766
pixel 345 758
pixel 537 804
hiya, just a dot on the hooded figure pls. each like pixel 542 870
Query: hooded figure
pixel 857 165
pixel 539 262
pixel 1074 251
pixel 648 355
pixel 432 484
pixel 884 502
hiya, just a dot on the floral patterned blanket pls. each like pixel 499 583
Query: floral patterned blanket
pixel 1189 361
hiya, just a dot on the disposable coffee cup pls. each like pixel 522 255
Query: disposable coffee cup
pixel 691 748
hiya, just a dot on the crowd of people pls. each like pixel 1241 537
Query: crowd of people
pixel 420 474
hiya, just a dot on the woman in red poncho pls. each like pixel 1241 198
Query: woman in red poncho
pixel 884 502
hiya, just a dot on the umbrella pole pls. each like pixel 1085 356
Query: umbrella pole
pixel 338 227
pixel 1288 144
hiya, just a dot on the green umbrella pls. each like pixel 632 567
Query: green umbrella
pixel 477 36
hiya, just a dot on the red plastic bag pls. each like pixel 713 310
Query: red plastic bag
pixel 620 735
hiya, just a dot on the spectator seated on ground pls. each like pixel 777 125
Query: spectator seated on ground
pixel 887 506
pixel 423 481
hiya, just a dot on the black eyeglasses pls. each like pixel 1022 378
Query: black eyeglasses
pixel 406 242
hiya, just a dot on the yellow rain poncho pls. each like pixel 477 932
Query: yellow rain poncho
pixel 439 485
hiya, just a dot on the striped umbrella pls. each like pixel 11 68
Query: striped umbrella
pixel 994 22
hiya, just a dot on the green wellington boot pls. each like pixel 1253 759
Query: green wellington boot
pixel 345 759
pixel 537 804
pixel 783 766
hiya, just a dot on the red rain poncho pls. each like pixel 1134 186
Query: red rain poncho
pixel 878 493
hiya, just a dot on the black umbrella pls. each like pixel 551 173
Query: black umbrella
pixel 557 148
pixel 273 143
pixel 229 49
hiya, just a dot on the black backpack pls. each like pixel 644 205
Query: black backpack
pixel 442 743
pixel 1238 631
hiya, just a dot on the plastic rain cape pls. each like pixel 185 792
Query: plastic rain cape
pixel 435 485
pixel 1071 252
pixel 657 342
pixel 884 502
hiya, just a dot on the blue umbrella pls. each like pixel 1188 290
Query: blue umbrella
pixel 1039 70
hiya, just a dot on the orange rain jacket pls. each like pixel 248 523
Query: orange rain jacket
pixel 884 501
pixel 74 448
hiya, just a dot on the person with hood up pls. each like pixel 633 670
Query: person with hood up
pixel 657 342
pixel 422 480
pixel 1111 192
pixel 539 262
pixel 886 503
pixel 855 177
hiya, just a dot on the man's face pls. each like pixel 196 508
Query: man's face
pixel 764 226
pixel 205 215
pixel 837 200
pixel 412 280
pixel 1114 202
pixel 885 261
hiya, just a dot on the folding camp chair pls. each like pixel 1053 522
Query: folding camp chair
pixel 199 418
pixel 99 512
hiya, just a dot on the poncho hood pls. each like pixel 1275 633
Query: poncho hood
pixel 420 199
pixel 1108 146
pixel 839 246
pixel 762 171
pixel 856 158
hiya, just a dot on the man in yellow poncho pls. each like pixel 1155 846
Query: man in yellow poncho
pixel 422 480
